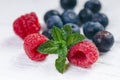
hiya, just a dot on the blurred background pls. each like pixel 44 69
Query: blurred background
pixel 10 10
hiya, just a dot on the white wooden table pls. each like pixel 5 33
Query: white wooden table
pixel 15 65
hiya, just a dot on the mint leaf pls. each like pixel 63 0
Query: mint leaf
pixel 60 64
pixel 56 33
pixel 62 52
pixel 74 38
pixel 66 30
pixel 49 47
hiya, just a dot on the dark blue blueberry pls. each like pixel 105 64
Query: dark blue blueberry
pixel 101 18
pixel 91 28
pixel 85 15
pixel 69 16
pixel 49 14
pixel 75 27
pixel 104 40
pixel 78 22
pixel 47 34
pixel 93 5
pixel 54 21
pixel 68 4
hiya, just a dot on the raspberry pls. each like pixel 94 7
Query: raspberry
pixel 31 42
pixel 26 24
pixel 83 54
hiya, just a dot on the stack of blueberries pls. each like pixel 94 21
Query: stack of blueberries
pixel 93 22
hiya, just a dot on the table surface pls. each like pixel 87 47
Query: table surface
pixel 15 65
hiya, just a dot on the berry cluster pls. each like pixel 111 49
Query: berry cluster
pixel 62 36
pixel 93 22
pixel 28 27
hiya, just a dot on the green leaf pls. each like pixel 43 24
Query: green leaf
pixel 60 64
pixel 56 33
pixel 66 31
pixel 74 38
pixel 49 47
pixel 62 52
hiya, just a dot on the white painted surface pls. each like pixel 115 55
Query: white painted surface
pixel 15 65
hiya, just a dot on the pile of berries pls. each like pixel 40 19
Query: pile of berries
pixel 93 22
pixel 63 37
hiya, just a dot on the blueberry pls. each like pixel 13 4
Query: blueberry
pixel 69 16
pixel 101 18
pixel 54 21
pixel 104 40
pixel 91 28
pixel 93 5
pixel 85 15
pixel 68 4
pixel 49 14
pixel 75 27
pixel 47 34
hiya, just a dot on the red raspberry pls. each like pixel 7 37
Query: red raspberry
pixel 83 54
pixel 31 42
pixel 26 24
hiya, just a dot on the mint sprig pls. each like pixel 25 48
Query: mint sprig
pixel 63 39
